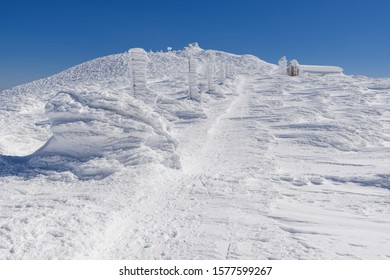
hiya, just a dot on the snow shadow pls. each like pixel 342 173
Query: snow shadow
pixel 31 166
pixel 18 166
pixel 379 181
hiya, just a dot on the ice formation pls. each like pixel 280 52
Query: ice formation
pixel 283 65
pixel 193 80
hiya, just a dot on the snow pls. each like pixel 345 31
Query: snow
pixel 320 69
pixel 193 91
pixel 283 65
pixel 138 63
pixel 266 166
pixel 210 77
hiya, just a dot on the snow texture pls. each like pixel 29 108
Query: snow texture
pixel 267 167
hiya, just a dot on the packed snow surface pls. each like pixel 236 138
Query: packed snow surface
pixel 259 166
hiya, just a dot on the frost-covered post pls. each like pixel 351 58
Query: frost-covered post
pixel 293 68
pixel 232 70
pixel 138 67
pixel 229 70
pixel 283 65
pixel 130 73
pixel 210 77
pixel 137 71
pixel 192 79
pixel 222 74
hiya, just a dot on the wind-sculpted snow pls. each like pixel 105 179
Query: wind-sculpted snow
pixel 263 166
pixel 95 114
pixel 109 124
pixel 110 128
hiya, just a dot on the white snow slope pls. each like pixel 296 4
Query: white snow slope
pixel 267 167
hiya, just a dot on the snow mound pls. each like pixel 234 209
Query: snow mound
pixel 96 133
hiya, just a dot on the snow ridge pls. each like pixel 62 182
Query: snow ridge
pixel 110 128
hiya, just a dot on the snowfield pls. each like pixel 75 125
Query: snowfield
pixel 259 165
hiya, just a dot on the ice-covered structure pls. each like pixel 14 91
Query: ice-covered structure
pixel 222 74
pixel 210 78
pixel 193 80
pixel 293 68
pixel 210 73
pixel 138 63
pixel 192 48
pixel 283 65
pixel 229 70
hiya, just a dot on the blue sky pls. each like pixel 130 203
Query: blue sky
pixel 41 38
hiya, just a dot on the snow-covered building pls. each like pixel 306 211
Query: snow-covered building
pixel 320 69
pixel 293 68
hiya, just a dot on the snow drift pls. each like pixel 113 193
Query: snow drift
pixel 113 111
pixel 113 126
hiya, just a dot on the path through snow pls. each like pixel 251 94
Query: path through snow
pixel 272 167
pixel 232 202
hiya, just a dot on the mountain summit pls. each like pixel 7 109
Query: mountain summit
pixel 194 154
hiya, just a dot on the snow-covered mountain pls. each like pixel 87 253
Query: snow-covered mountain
pixel 254 164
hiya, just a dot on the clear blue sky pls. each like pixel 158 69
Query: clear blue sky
pixel 41 38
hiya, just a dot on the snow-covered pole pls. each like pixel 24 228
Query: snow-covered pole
pixel 229 70
pixel 138 69
pixel 130 72
pixel 283 65
pixel 233 69
pixel 222 74
pixel 210 77
pixel 192 79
